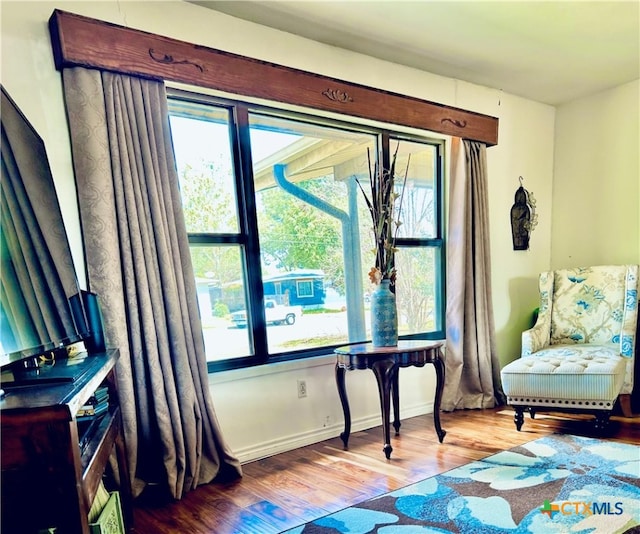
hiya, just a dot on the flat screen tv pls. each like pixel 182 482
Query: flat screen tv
pixel 41 306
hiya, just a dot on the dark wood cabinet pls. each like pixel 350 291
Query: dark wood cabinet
pixel 51 465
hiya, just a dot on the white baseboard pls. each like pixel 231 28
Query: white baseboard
pixel 294 441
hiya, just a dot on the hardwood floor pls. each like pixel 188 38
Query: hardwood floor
pixel 292 488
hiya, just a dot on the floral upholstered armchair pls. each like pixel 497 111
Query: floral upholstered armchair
pixel 579 356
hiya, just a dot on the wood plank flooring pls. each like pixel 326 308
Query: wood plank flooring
pixel 292 488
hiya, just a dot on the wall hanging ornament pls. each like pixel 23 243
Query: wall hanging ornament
pixel 523 217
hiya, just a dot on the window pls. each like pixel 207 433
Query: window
pixel 304 288
pixel 280 235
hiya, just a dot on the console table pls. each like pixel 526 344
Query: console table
pixel 385 362
pixel 49 479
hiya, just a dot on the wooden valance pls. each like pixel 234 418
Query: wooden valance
pixel 87 42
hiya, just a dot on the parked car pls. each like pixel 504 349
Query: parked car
pixel 274 313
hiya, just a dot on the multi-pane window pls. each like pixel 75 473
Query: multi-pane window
pixel 280 235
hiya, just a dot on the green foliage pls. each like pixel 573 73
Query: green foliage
pixel 209 206
pixel 220 309
pixel 208 198
pixel 296 235
pixel 416 285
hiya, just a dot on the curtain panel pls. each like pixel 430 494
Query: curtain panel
pixel 138 262
pixel 472 368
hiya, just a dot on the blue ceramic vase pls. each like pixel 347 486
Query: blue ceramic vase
pixel 384 316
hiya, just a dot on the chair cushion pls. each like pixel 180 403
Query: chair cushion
pixel 588 304
pixel 568 373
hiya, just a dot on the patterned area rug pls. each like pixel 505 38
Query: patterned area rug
pixel 555 484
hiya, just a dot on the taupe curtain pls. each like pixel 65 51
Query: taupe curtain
pixel 471 364
pixel 138 262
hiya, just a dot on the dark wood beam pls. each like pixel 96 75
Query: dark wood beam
pixel 87 42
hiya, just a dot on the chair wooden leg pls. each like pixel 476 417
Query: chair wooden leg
pixel 518 417
pixel 601 422
pixel 625 405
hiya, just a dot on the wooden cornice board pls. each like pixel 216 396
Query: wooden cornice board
pixel 91 43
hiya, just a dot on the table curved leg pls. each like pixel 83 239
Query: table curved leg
pixel 438 363
pixel 395 396
pixel 383 370
pixel 342 392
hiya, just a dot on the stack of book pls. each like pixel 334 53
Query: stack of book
pixel 97 404
pixel 89 416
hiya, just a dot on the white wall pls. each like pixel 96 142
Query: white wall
pixel 258 409
pixel 596 186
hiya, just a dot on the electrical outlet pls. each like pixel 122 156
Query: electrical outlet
pixel 302 388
